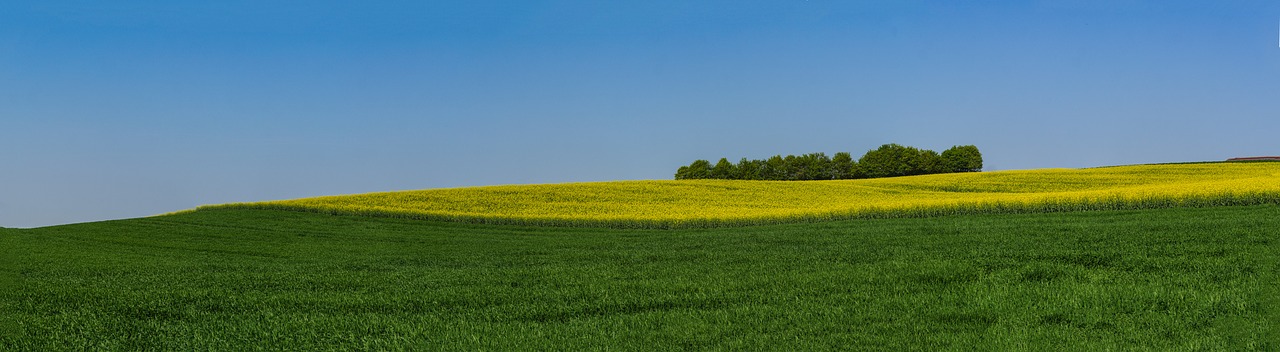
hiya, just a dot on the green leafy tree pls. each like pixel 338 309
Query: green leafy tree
pixel 931 163
pixel 749 169
pixel 792 167
pixel 815 166
pixel 775 168
pixel 914 159
pixel 962 158
pixel 682 173
pixel 887 161
pixel 723 170
pixel 842 166
pixel 699 169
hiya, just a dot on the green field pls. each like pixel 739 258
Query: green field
pixel 1166 279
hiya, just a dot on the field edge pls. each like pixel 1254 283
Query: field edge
pixel 973 208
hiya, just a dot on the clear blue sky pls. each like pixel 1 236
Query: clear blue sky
pixel 116 109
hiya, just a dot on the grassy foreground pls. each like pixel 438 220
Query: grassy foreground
pixel 1169 279
pixel 717 203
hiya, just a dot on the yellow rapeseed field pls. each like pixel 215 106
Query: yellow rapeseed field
pixel 710 203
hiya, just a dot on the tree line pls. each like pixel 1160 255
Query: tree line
pixel 887 161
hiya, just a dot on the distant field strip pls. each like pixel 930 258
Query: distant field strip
pixel 715 203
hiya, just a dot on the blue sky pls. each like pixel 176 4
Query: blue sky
pixel 132 108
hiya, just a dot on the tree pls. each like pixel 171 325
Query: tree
pixel 962 158
pixel 842 166
pixel 798 167
pixel 931 163
pixel 814 166
pixel 749 169
pixel 887 161
pixel 791 168
pixel 913 158
pixel 775 168
pixel 699 169
pixel 892 160
pixel 724 170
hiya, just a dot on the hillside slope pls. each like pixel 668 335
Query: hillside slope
pixel 713 203
pixel 1174 279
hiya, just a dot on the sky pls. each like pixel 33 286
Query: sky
pixel 121 109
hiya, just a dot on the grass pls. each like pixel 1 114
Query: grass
pixel 240 279
pixel 721 203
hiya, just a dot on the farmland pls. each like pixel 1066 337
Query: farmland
pixel 716 203
pixel 1168 257
pixel 237 279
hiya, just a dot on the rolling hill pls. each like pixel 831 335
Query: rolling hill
pixel 244 279
pixel 716 203
pixel 1170 262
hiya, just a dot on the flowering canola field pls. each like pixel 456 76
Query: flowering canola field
pixel 714 203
